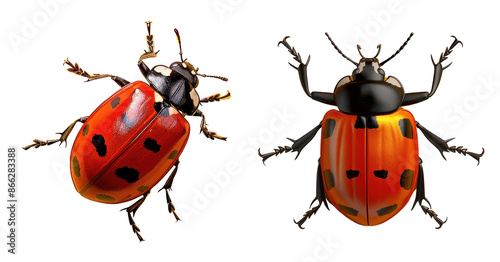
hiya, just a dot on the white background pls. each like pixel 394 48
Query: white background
pixel 232 207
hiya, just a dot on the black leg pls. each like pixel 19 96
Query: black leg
pixel 421 196
pixel 64 135
pixel 203 127
pixel 413 98
pixel 75 69
pixel 320 197
pixel 439 68
pixel 302 68
pixel 323 97
pixel 167 187
pixel 144 68
pixel 131 212
pixel 297 145
pixel 420 186
pixel 442 145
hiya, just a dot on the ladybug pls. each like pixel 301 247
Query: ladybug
pixel 135 137
pixel 369 165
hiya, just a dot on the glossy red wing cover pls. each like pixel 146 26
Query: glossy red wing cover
pixel 126 146
pixel 370 172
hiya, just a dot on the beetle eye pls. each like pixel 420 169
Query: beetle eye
pixel 184 65
pixel 381 71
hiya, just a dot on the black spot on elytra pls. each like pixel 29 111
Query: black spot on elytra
pixel 128 174
pixel 371 122
pixel 328 128
pixel 381 173
pixel 406 128
pixel 76 166
pixel 349 210
pixel 352 173
pixel 387 210
pixel 115 102
pixel 360 122
pixel 151 145
pixel 329 179
pixel 86 130
pixel 406 180
pixel 99 144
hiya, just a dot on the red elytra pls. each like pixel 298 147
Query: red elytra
pixel 127 145
pixel 369 173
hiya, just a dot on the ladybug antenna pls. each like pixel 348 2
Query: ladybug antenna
pixel 179 41
pixel 340 52
pixel 397 52
pixel 218 77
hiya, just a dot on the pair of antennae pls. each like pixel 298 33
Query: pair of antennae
pixel 378 47
pixel 183 60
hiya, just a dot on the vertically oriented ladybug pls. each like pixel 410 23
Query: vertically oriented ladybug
pixel 135 137
pixel 369 164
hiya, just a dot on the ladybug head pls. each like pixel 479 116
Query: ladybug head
pixel 176 83
pixel 186 69
pixel 367 91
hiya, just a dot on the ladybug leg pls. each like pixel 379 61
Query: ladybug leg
pixel 433 214
pixel 297 145
pixel 216 98
pixel 323 97
pixel 64 136
pixel 421 196
pixel 131 212
pixel 167 187
pixel 439 68
pixel 320 197
pixel 302 68
pixel 76 69
pixel 150 53
pixel 420 186
pixel 203 127
pixel 413 98
pixel 144 68
pixel 442 145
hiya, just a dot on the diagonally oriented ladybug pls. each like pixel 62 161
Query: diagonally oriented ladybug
pixel 369 164
pixel 133 139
